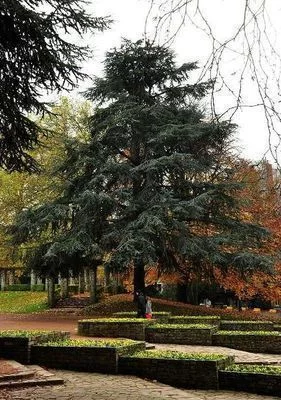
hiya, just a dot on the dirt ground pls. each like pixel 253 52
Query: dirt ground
pixel 41 321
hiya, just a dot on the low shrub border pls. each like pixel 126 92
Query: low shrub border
pixel 252 341
pixel 16 344
pixel 131 328
pixel 254 378
pixel 84 355
pixel 277 327
pixel 180 334
pixel 192 319
pixel 17 287
pixel 246 326
pixel 37 288
pixel 198 371
pixel 159 315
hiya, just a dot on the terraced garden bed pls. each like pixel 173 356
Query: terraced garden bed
pixel 246 326
pixel 159 315
pixel 260 379
pixel 180 334
pixel 16 344
pixel 132 328
pixel 194 319
pixel 252 341
pixel 84 355
pixel 198 371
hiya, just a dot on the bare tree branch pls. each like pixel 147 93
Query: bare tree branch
pixel 243 61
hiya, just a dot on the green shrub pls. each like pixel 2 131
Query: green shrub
pixel 37 335
pixel 245 322
pixel 134 313
pixel 117 320
pixel 92 343
pixel 177 355
pixel 214 317
pixel 252 333
pixel 73 289
pixel 19 287
pixel 181 326
pixel 38 288
pixel 22 333
pixel 255 368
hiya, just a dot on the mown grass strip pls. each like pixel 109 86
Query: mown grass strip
pixel 22 302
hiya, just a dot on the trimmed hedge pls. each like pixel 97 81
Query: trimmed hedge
pixel 255 368
pixel 19 287
pixel 180 371
pixel 159 315
pixel 180 334
pixel 37 288
pixel 252 341
pixel 246 325
pixel 192 319
pixel 73 289
pixel 84 355
pixel 132 328
pixel 16 345
pixel 253 378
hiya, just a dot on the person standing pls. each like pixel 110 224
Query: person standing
pixel 148 308
pixel 141 305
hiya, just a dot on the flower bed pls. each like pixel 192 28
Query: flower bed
pixel 132 328
pixel 192 319
pixel 84 355
pixel 254 378
pixel 247 325
pixel 199 371
pixel 16 344
pixel 253 341
pixel 180 334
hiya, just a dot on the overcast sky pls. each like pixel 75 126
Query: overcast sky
pixel 191 44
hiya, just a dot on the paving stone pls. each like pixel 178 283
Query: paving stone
pixel 94 386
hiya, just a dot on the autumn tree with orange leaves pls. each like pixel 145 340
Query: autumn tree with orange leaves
pixel 260 204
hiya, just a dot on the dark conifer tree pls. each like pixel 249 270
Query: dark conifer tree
pixel 149 187
pixel 36 56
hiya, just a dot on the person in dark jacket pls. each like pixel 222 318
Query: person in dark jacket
pixel 141 304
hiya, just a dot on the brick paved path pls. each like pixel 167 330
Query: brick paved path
pixel 92 386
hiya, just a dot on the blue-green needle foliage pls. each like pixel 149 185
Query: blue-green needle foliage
pixel 36 56
pixel 150 185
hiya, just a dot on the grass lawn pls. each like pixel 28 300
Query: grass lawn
pixel 22 302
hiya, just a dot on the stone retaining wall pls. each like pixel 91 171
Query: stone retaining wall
pixel 93 359
pixel 174 335
pixel 187 319
pixel 18 348
pixel 127 329
pixel 246 326
pixel 76 358
pixel 180 373
pixel 250 382
pixel 249 342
